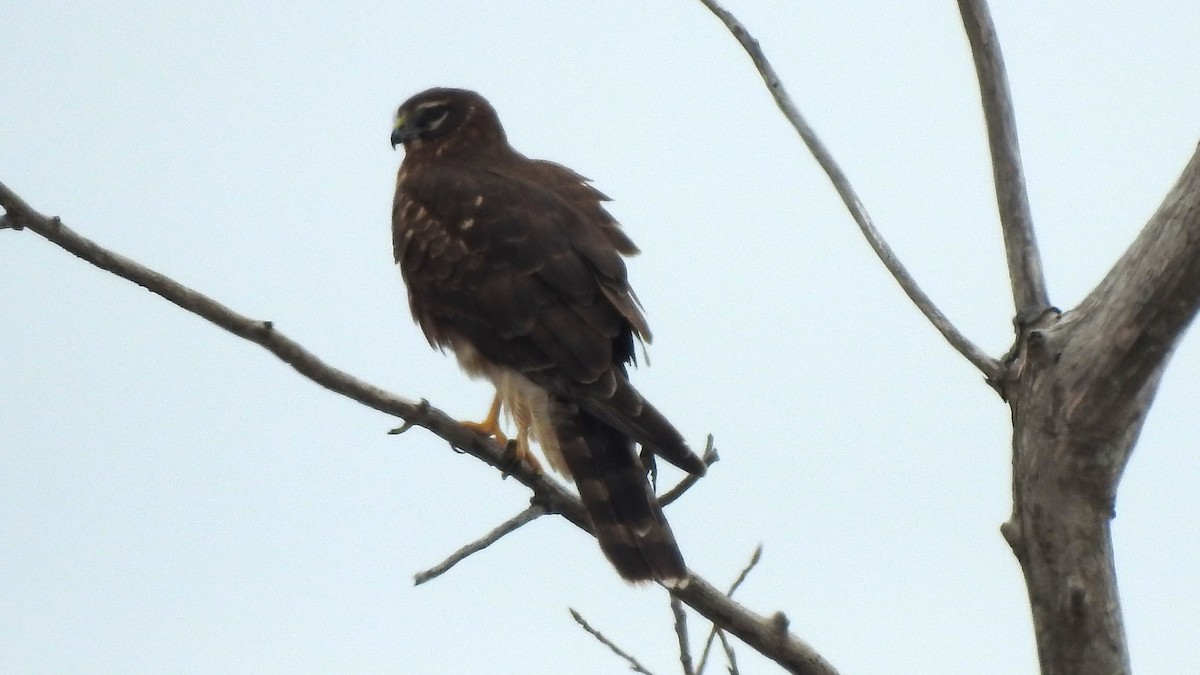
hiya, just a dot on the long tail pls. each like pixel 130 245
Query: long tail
pixel 629 524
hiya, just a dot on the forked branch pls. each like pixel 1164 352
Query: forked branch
pixel 1080 391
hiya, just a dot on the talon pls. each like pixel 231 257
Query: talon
pixel 516 449
pixel 518 453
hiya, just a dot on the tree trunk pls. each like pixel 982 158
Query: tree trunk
pixel 1080 385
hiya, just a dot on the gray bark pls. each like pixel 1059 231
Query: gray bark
pixel 1079 386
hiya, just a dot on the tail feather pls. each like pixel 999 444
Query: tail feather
pixel 622 407
pixel 629 524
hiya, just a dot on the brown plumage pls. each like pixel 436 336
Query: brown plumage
pixel 515 266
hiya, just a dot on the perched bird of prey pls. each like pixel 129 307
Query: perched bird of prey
pixel 515 266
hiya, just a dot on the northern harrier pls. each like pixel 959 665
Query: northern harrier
pixel 514 265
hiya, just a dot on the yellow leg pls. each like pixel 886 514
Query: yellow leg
pixel 490 426
pixel 518 450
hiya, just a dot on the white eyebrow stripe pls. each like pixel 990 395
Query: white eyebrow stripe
pixel 431 104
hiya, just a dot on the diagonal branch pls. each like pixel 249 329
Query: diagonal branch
pixel 1016 221
pixel 766 635
pixel 710 457
pixel 531 513
pixel 681 633
pixel 634 665
pixel 1124 331
pixel 986 364
pixel 750 627
pixel 712 634
pixel 730 658
pixel 1132 321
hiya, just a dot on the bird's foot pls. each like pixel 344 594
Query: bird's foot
pixel 490 426
pixel 489 429
pixel 519 453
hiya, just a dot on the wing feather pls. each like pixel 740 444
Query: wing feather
pixel 528 269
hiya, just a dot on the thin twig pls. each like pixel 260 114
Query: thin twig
pixel 729 656
pixel 530 514
pixel 712 634
pixel 633 663
pixel 754 558
pixel 1016 221
pixel 987 365
pixel 685 650
pixel 708 643
pixel 710 457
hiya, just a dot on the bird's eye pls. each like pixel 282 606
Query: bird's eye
pixel 432 118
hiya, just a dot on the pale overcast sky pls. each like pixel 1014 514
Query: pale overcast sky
pixel 174 499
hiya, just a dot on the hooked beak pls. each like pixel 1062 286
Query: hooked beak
pixel 402 131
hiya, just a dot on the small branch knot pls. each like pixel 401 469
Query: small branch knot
pixel 412 420
pixel 780 624
pixel 1011 531
pixel 1077 599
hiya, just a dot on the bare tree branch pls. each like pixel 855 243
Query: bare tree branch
pixel 533 512
pixel 990 367
pixel 708 643
pixel 685 650
pixel 739 621
pixel 710 457
pixel 633 663
pixel 730 658
pixel 764 635
pixel 1136 315
pixel 712 634
pixel 1080 388
pixel 754 558
pixel 1016 221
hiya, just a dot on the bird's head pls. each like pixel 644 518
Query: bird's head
pixel 445 118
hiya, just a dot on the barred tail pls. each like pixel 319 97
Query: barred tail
pixel 629 524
